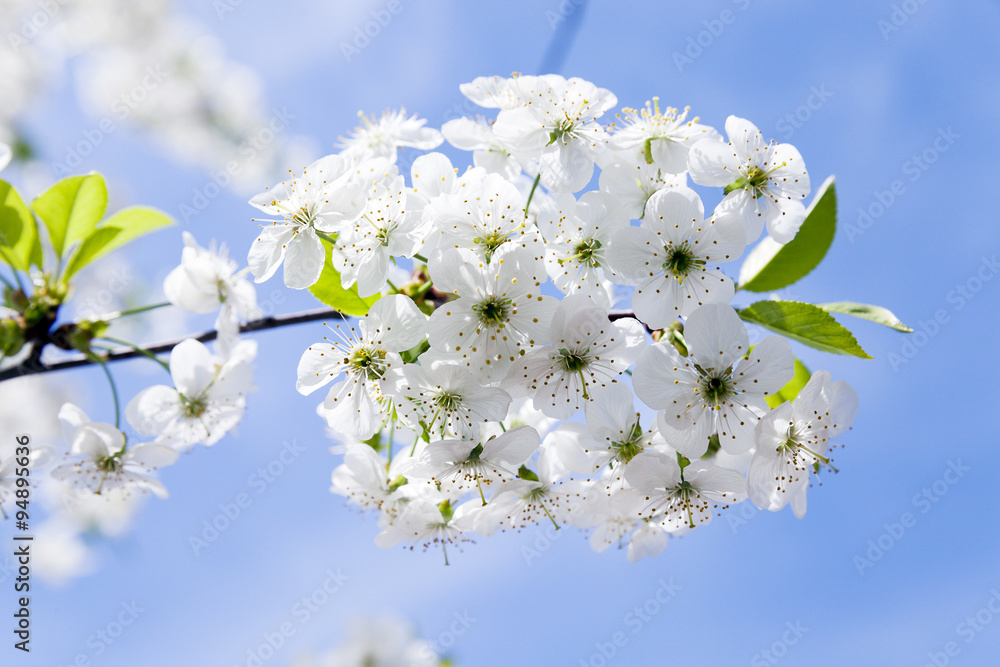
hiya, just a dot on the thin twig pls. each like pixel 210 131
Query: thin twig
pixel 33 367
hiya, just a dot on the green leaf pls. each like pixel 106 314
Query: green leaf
pixel 526 473
pixel 11 224
pixel 22 245
pixel 771 266
pixel 91 248
pixel 329 290
pixel 410 356
pixel 72 208
pixel 806 323
pixel 866 311
pixel 794 386
pixel 121 228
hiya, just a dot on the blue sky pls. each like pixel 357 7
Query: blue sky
pixel 915 103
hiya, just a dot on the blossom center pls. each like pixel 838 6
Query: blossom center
pixel 194 407
pixel 448 400
pixel 305 216
pixel 717 388
pixel 490 242
pixel 537 494
pixel 754 179
pixel 563 128
pixel 681 261
pixel 574 361
pixel 368 361
pixel 109 463
pixel 493 311
pixel 627 449
pixel 585 252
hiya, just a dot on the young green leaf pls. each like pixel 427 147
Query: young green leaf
pixel 121 228
pixel 866 311
pixel 91 248
pixel 794 386
pixel 11 224
pixel 72 208
pixel 21 247
pixel 329 290
pixel 771 266
pixel 806 323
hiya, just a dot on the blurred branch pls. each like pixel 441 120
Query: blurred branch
pixel 569 17
pixel 34 366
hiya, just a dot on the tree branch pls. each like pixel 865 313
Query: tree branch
pixel 34 366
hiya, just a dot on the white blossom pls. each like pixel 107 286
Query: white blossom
pixel 578 235
pixel 587 354
pixel 500 310
pixel 763 182
pixel 686 496
pixel 673 257
pixel 207 280
pixel 99 460
pixel 391 225
pixel 357 404
pixel 207 401
pixel 557 127
pixel 717 389
pixel 383 136
pixel 794 440
pixel 660 138
pixel 324 199
pixel 445 399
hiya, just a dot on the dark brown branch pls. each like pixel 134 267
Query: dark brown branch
pixel 33 366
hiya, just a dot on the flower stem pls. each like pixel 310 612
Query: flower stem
pixel 532 193
pixel 551 518
pixel 135 311
pixel 114 389
pixel 143 352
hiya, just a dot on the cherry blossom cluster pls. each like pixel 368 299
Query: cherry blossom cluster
pixel 558 353
pixel 552 353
